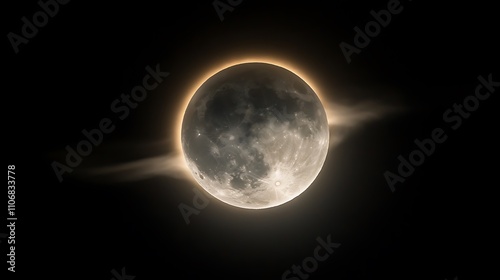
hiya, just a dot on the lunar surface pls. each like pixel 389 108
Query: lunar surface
pixel 255 135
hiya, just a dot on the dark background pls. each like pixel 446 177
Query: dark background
pixel 438 224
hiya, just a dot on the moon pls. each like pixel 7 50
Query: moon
pixel 255 135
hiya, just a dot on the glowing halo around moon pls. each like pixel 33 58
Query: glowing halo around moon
pixel 221 159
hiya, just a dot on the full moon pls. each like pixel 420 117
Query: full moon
pixel 255 135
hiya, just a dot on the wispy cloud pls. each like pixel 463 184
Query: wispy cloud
pixel 169 165
pixel 344 118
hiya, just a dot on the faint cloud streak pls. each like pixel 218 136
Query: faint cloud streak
pixel 170 165
pixel 343 118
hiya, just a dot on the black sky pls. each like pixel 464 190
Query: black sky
pixel 438 224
